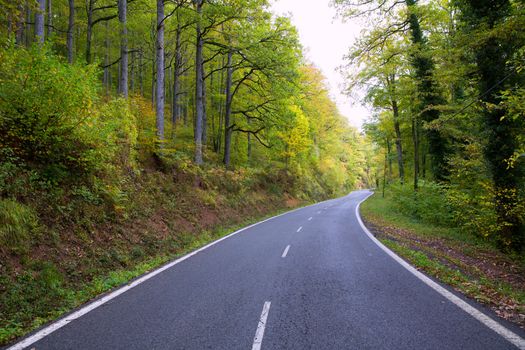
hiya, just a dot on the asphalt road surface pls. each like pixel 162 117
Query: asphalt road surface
pixel 308 279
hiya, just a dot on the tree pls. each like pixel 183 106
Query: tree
pixel 39 21
pixel 159 95
pixel 70 28
pixel 199 83
pixel 123 78
pixel 429 96
pixel 491 53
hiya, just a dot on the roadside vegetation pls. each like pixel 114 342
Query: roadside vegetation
pixel 427 236
pixel 445 82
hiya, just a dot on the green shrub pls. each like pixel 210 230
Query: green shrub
pixel 46 111
pixel 17 224
pixel 428 204
pixel 116 128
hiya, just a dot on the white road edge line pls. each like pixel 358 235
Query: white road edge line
pixel 42 333
pixel 285 251
pixel 510 336
pixel 299 229
pixel 310 218
pixel 259 334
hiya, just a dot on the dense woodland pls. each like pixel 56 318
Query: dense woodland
pixel 445 80
pixel 228 70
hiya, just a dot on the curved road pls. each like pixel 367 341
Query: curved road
pixel 308 279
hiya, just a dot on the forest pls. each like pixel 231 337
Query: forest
pixel 445 81
pixel 132 131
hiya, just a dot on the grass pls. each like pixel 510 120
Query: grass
pixel 452 257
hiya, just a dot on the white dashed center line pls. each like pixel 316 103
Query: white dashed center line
pixel 259 334
pixel 299 229
pixel 285 251
pixel 310 218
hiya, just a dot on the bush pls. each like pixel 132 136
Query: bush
pixel 46 111
pixel 428 204
pixel 17 224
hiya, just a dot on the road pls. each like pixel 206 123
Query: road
pixel 308 279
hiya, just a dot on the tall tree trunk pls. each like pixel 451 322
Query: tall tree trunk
pixel 424 163
pixel 39 21
pixel 227 111
pixel 429 96
pixel 106 61
pixel 399 146
pixel 415 140
pixel 49 18
pixel 133 73
pixel 175 110
pixel 89 29
pixel 123 76
pixel 199 102
pixel 220 109
pixel 249 141
pixel 70 28
pixel 212 106
pixel 20 26
pixel 28 37
pixel 159 97
pixel 204 114
pixel 153 83
pixel 384 175
pixel 389 156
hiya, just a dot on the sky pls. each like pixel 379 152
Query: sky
pixel 326 40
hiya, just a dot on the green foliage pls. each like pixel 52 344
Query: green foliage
pixel 428 204
pixel 18 223
pixel 45 112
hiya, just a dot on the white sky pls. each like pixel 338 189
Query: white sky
pixel 326 40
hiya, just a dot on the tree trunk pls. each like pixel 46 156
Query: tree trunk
pixel 427 91
pixel 204 114
pixel 399 146
pixel 199 102
pixel 384 175
pixel 20 26
pixel 227 112
pixel 424 163
pixel 49 18
pixel 39 21
pixel 70 28
pixel 415 140
pixel 133 73
pixel 89 30
pixel 159 97
pixel 153 83
pixel 249 141
pixel 123 76
pixel 220 109
pixel 106 61
pixel 389 157
pixel 28 37
pixel 175 111
pixel 105 79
